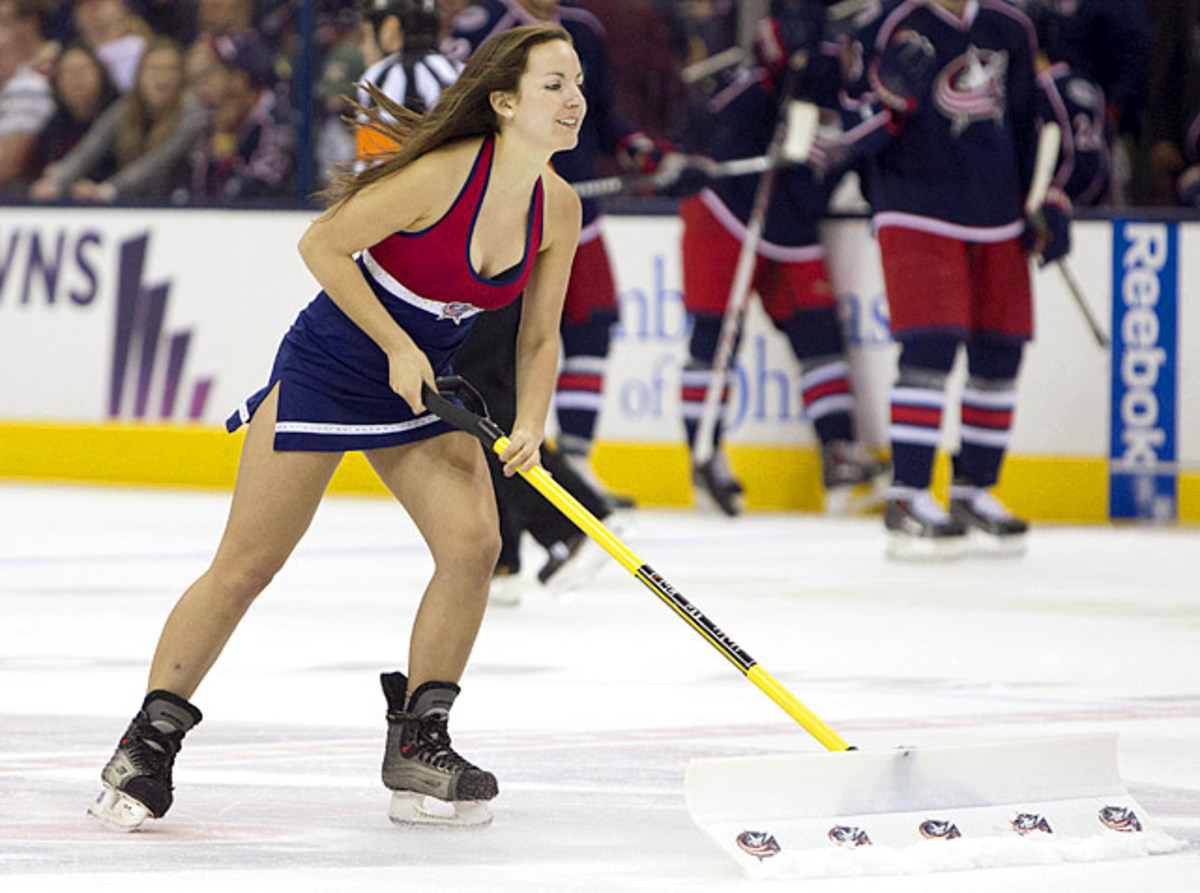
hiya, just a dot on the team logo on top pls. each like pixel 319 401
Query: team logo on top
pixel 761 844
pixel 971 88
pixel 1120 819
pixel 1030 822
pixel 457 311
pixel 849 835
pixel 937 829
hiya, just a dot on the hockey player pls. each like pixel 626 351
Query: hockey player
pixel 790 273
pixel 465 217
pixel 591 308
pixel 948 190
pixel 1074 102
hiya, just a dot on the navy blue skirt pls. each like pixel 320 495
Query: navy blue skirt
pixel 333 379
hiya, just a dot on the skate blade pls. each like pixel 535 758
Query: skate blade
pixel 915 548
pixel 991 546
pixel 858 499
pixel 412 808
pixel 118 811
pixel 507 591
pixel 708 504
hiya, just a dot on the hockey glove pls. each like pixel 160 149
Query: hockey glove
pixel 902 74
pixel 641 154
pixel 679 175
pixel 1048 232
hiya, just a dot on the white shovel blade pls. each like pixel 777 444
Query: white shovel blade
pixel 917 810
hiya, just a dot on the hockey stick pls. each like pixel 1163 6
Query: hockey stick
pixel 476 422
pixel 1102 339
pixel 735 167
pixel 792 137
pixel 1049 142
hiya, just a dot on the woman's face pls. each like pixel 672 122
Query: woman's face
pixel 79 80
pixel 161 78
pixel 549 106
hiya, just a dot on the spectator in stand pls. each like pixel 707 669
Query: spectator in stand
pixel 138 147
pixel 1188 184
pixel 115 35
pixel 82 90
pixel 223 17
pixel 171 18
pixel 247 150
pixel 26 103
pixel 1174 94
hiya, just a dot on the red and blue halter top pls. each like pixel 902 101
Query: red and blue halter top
pixel 432 267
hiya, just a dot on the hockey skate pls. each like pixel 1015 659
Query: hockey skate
pixel 854 480
pixel 137 780
pixel 430 783
pixel 919 528
pixel 717 488
pixel 991 527
pixel 506 587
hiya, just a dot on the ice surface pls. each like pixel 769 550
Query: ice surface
pixel 587 709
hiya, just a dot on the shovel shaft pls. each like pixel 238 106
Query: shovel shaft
pixel 673 598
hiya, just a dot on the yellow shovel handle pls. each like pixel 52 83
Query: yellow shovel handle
pixel 589 524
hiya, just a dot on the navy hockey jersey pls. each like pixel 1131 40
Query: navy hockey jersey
pixel 1077 105
pixel 745 114
pixel 602 128
pixel 963 159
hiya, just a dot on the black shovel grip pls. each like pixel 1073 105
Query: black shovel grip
pixel 471 416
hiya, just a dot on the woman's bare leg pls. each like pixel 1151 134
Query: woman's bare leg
pixel 276 496
pixel 444 485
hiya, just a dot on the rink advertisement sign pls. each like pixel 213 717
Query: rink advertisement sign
pixel 1143 456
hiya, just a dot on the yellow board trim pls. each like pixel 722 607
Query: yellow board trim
pixel 1069 489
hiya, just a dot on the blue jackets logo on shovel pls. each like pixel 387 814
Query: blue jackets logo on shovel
pixel 761 844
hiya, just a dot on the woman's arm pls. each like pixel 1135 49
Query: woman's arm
pixel 149 176
pixel 99 139
pixel 407 200
pixel 541 315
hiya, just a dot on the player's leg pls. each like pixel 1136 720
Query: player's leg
pixel 928 287
pixel 274 501
pixel 590 311
pixel 710 257
pixel 443 484
pixel 1003 322
pixel 799 298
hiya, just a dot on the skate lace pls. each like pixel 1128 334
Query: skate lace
pixel 150 749
pixel 433 745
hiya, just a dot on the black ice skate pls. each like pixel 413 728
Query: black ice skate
pixel 716 487
pixel 855 481
pixel 137 780
pixel 919 528
pixel 991 527
pixel 430 783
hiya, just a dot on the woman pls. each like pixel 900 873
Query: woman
pixel 464 217
pixel 147 134
pixel 82 91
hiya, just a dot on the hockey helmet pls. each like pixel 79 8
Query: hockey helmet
pixel 419 19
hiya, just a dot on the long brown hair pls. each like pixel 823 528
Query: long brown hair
pixel 463 110
pixel 139 131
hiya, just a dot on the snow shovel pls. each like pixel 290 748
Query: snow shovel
pixel 848 811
